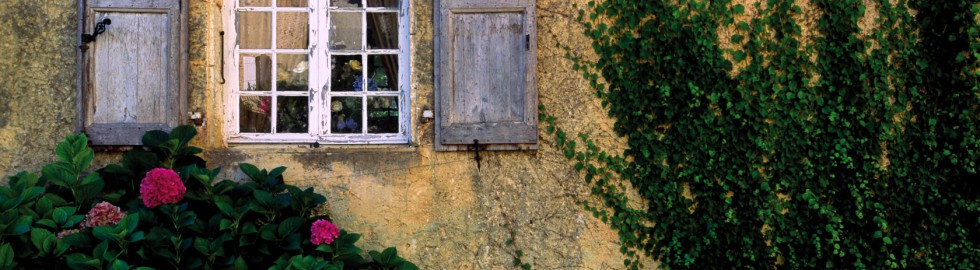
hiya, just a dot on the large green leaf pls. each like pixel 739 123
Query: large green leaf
pixel 289 225
pixel 43 240
pixel 81 261
pixel 21 226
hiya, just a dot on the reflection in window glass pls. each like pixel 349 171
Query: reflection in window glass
pixel 346 114
pixel 346 72
pixel 383 72
pixel 292 72
pixel 254 114
pixel 291 3
pixel 345 3
pixel 382 3
pixel 382 114
pixel 292 30
pixel 382 30
pixel 255 72
pixel 254 30
pixel 255 3
pixel 345 30
pixel 292 114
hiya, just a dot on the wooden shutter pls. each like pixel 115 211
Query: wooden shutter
pixel 485 74
pixel 133 76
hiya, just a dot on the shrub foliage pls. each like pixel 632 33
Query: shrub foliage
pixel 844 148
pixel 260 224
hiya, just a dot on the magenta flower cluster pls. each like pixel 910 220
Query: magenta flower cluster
pixel 161 186
pixel 324 232
pixel 103 214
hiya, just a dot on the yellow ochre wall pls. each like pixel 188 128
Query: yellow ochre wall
pixel 437 208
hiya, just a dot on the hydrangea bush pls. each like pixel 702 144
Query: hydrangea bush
pixel 161 208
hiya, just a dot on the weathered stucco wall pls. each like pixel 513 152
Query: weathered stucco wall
pixel 37 80
pixel 437 208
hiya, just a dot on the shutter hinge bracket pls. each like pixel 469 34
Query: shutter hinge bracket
pixel 476 147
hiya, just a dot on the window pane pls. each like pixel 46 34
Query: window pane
pixel 383 72
pixel 255 72
pixel 345 31
pixel 254 30
pixel 382 3
pixel 254 112
pixel 292 71
pixel 291 3
pixel 255 3
pixel 345 3
pixel 292 114
pixel 382 30
pixel 292 30
pixel 382 114
pixel 346 114
pixel 345 73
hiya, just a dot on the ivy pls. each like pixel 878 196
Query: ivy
pixel 844 148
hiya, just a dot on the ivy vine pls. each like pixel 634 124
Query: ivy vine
pixel 844 148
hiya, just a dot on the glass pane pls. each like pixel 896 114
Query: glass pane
pixel 254 30
pixel 255 3
pixel 382 30
pixel 382 3
pixel 383 72
pixel 345 3
pixel 255 72
pixel 292 72
pixel 254 114
pixel 345 30
pixel 292 30
pixel 292 114
pixel 345 114
pixel 291 3
pixel 345 73
pixel 382 114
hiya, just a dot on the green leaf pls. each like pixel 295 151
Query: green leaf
pixel 183 134
pixel 251 171
pixel 129 222
pixel 155 138
pixel 81 261
pixel 43 240
pixel 738 9
pixel 21 226
pixel 289 226
pixel 6 256
pixel 119 265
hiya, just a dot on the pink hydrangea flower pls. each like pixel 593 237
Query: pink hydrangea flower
pixel 324 232
pixel 161 186
pixel 103 214
pixel 67 232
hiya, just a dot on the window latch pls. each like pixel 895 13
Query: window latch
pixel 527 42
pixel 99 29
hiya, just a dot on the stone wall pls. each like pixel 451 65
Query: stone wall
pixel 437 208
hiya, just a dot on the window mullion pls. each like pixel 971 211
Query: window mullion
pixel 274 107
pixel 312 78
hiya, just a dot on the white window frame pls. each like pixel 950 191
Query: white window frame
pixel 319 80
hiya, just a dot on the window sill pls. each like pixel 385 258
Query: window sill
pixel 328 148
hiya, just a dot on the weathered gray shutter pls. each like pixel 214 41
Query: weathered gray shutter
pixel 133 76
pixel 485 74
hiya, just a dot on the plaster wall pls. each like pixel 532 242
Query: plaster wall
pixel 437 208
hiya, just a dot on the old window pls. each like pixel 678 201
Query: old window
pixel 132 76
pixel 332 71
pixel 485 68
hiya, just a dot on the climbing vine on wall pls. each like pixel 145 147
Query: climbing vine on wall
pixel 811 140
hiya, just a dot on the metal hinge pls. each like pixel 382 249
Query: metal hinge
pixel 527 42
